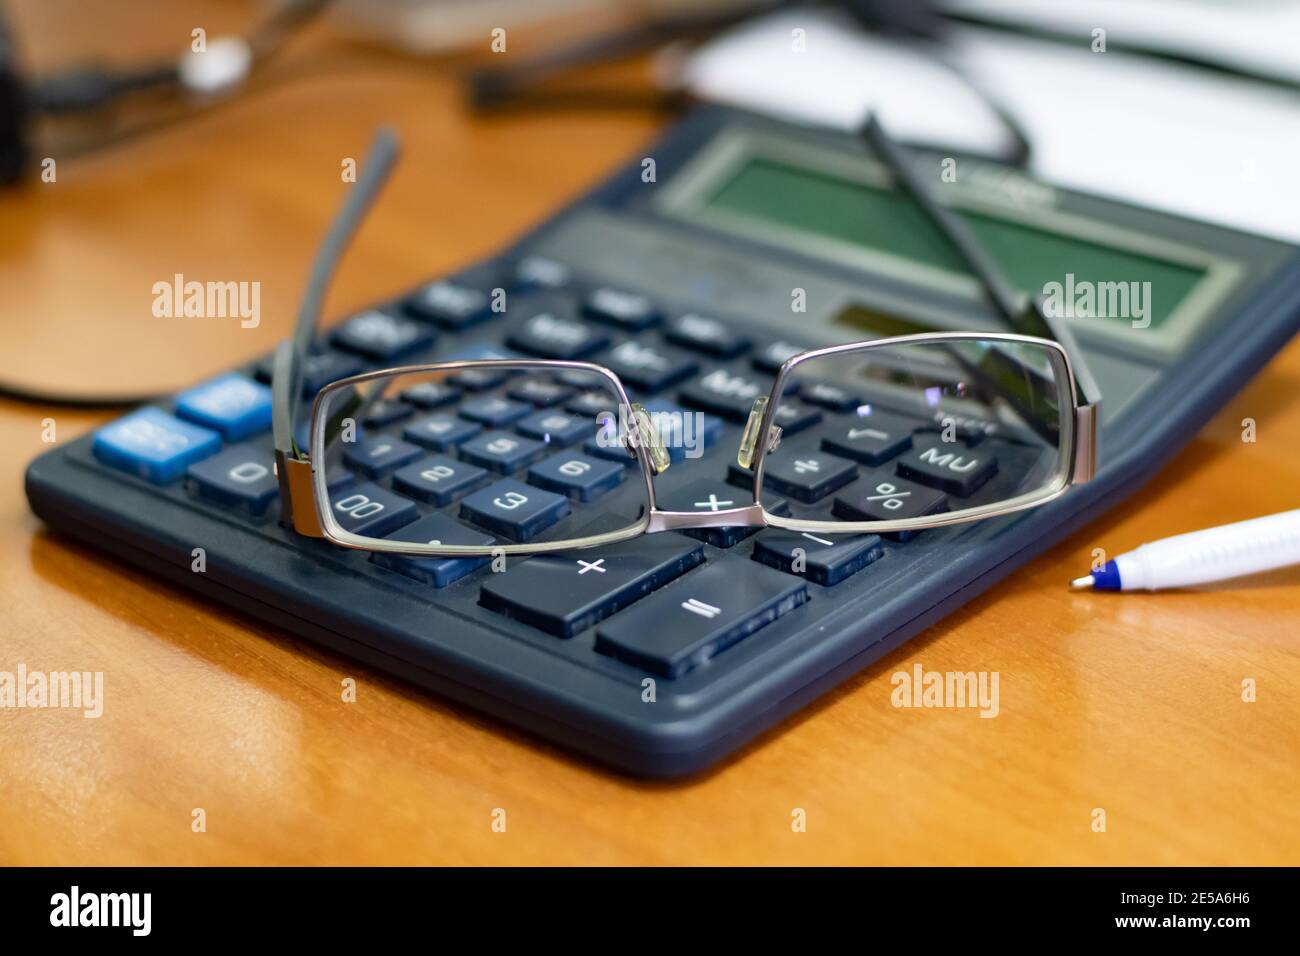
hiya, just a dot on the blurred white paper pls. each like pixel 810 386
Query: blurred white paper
pixel 1157 134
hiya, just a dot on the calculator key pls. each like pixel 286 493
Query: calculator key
pixel 792 418
pixel 387 412
pixel 481 379
pixel 514 510
pixel 771 357
pixel 452 304
pixel 972 431
pixel 438 479
pixel 540 392
pixel 825 559
pixel 440 432
pixel 872 440
pixel 648 367
pixel 552 334
pixel 705 334
pixel 381 336
pixel 627 310
pixel 684 434
pixel 948 466
pixel 724 393
pixel 431 395
pixel 242 476
pixel 154 445
pixel 494 411
pixel 700 615
pixel 374 457
pixel 709 497
pixel 435 529
pixel 591 404
pixel 807 475
pixel 369 510
pixel 557 429
pixel 233 405
pixel 830 396
pixel 883 497
pixel 576 476
pixel 318 369
pixel 541 272
pixel 502 452
pixel 567 593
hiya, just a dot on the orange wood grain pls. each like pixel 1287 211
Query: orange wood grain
pixel 1131 704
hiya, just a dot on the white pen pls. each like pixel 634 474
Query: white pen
pixel 1229 551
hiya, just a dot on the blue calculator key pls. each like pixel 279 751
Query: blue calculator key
pixel 154 445
pixel 502 451
pixel 374 457
pixel 438 479
pixel 627 310
pixel 369 510
pixel 435 529
pixel 242 476
pixel 685 434
pixel 557 429
pixel 825 559
pixel 440 432
pixel 494 411
pixel 233 405
pixel 381 336
pixel 514 510
pixel 576 476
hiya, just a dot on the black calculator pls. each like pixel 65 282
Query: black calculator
pixel 749 240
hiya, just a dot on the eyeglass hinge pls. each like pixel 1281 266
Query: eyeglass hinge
pixel 297 495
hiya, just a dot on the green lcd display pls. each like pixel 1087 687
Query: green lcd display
pixel 882 220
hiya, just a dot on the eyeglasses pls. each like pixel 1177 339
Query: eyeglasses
pixel 891 435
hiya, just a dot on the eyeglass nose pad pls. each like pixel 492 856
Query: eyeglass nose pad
pixel 749 437
pixel 649 436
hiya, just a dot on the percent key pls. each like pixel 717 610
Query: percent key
pixel 888 499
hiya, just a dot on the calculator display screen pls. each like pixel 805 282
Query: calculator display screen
pixel 790 199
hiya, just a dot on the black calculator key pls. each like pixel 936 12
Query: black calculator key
pixel 369 510
pixel 552 335
pixel 450 303
pixel 318 369
pixel 699 616
pixel 387 412
pixel 872 440
pixel 807 475
pixel 949 428
pixel 771 357
pixel 557 429
pixel 648 367
pixel 576 476
pixel 627 310
pixel 539 272
pixel 514 510
pixel 374 457
pixel 494 411
pixel 825 559
pixel 438 479
pixel 830 396
pixel 948 466
pixel 540 392
pixel 381 336
pixel 242 476
pixel 591 404
pixel 793 418
pixel 710 497
pixel 724 393
pixel 883 497
pixel 705 334
pixel 431 394
pixel 481 379
pixel 502 452
pixel 435 529
pixel 440 432
pixel 567 593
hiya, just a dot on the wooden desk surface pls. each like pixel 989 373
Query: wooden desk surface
pixel 1131 704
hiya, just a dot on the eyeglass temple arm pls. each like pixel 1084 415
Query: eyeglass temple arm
pixel 1024 313
pixel 297 504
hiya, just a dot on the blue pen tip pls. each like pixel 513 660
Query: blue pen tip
pixel 1107 579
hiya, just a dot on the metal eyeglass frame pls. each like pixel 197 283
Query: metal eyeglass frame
pixel 304 495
